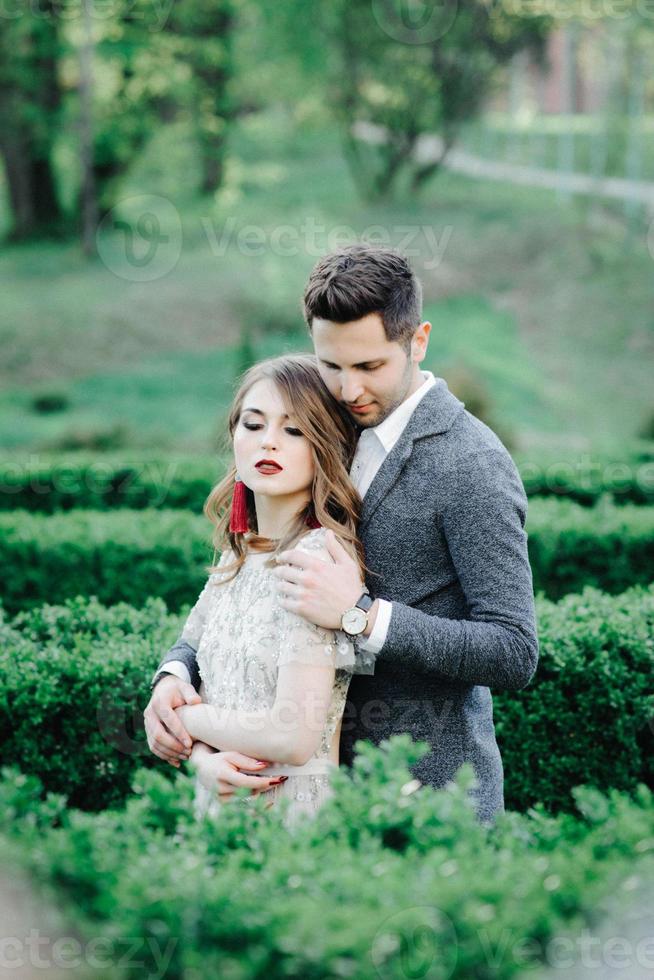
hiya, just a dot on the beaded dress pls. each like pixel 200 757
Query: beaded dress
pixel 243 635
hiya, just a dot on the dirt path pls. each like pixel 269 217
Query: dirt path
pixel 429 149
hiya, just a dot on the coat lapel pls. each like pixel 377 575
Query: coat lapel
pixel 435 413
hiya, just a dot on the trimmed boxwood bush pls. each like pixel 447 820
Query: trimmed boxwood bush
pixel 588 716
pixel 74 680
pixel 51 482
pixel 132 555
pixel 627 475
pixel 606 546
pixel 387 880
pixel 127 555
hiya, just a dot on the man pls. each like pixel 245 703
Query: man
pixel 450 611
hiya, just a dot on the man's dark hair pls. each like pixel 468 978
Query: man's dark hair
pixel 362 279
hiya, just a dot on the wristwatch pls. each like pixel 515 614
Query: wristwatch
pixel 355 620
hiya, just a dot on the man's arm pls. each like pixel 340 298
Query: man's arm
pixel 483 522
pixel 180 660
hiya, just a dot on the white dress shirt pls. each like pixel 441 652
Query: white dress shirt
pixel 372 449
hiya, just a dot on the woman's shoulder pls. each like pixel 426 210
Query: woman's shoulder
pixel 315 540
pixel 227 557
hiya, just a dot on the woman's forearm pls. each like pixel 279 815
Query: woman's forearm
pixel 199 751
pixel 268 734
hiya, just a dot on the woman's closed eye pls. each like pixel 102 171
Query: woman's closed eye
pixel 253 426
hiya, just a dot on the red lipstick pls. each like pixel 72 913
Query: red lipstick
pixel 268 466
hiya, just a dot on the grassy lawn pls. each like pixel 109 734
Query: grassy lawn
pixel 541 309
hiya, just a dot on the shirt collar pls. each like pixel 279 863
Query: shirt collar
pixel 389 431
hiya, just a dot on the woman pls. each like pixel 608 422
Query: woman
pixel 273 685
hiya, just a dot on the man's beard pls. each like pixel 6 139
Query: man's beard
pixel 385 410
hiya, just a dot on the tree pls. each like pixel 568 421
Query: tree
pixel 109 75
pixel 30 111
pixel 406 72
pixel 204 32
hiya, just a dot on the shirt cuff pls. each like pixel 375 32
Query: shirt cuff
pixel 176 667
pixel 376 640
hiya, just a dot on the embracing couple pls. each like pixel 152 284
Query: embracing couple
pixel 373 576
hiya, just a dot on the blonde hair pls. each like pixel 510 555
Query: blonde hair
pixel 334 503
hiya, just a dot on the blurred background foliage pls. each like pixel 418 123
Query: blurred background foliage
pixel 171 172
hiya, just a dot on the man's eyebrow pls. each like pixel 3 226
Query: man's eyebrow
pixel 375 360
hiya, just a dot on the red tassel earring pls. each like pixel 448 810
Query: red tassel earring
pixel 238 519
pixel 312 521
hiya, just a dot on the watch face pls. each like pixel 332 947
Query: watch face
pixel 354 621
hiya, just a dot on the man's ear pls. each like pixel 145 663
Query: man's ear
pixel 420 342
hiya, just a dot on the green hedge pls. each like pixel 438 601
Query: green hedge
pixel 607 546
pixel 52 482
pixel 386 881
pixel 74 680
pixel 48 483
pixel 127 555
pixel 588 716
pixel 626 475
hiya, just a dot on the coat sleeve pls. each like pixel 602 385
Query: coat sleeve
pixel 496 645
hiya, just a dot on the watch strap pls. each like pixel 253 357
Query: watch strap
pixel 158 677
pixel 365 602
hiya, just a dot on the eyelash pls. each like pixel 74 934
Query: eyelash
pixel 253 426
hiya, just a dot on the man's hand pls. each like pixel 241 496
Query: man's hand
pixel 221 772
pixel 167 737
pixel 318 591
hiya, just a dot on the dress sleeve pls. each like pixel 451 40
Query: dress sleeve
pixel 194 625
pixel 306 643
pixel 195 622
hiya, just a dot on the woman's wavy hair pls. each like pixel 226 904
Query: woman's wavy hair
pixel 334 503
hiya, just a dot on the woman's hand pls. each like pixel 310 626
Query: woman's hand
pixel 220 772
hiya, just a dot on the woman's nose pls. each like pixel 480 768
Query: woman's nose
pixel 268 440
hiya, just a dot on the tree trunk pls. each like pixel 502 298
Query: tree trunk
pixel 88 193
pixel 32 194
pixel 30 99
pixel 213 163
